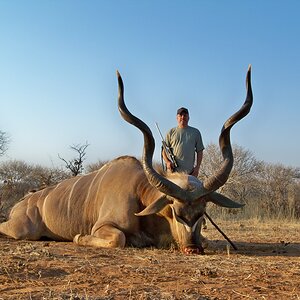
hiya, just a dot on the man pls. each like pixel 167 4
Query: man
pixel 186 144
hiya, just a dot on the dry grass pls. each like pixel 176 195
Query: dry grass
pixel 266 266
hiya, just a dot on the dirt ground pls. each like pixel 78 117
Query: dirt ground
pixel 266 266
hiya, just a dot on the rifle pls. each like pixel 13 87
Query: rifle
pixel 167 149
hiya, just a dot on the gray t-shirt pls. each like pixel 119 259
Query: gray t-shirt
pixel 184 143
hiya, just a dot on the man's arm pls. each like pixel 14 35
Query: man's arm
pixel 198 163
pixel 170 166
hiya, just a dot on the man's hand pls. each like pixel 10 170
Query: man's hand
pixel 195 172
pixel 170 166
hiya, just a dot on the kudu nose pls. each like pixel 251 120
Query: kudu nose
pixel 193 249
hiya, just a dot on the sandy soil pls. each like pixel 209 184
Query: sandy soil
pixel 266 266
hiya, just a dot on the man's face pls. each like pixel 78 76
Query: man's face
pixel 182 120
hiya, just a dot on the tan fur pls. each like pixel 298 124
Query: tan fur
pixel 96 209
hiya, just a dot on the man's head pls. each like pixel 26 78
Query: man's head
pixel 182 117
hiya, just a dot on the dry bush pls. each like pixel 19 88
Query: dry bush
pixel 17 178
pixel 270 191
pixel 95 166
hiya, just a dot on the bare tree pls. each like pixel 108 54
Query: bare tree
pixel 242 183
pixel 75 165
pixel 269 190
pixel 243 175
pixel 279 189
pixel 4 141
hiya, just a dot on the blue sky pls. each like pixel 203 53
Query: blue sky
pixel 59 58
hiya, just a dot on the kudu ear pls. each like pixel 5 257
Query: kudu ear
pixel 223 201
pixel 155 207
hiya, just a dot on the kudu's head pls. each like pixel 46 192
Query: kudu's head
pixel 184 197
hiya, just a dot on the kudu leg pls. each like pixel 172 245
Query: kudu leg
pixel 107 236
pixel 19 230
pixel 23 225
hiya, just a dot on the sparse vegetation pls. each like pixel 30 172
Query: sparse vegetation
pixel 95 166
pixel 4 141
pixel 269 191
pixel 17 178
